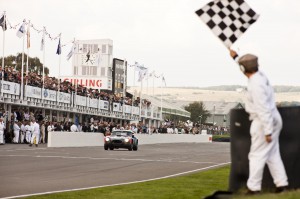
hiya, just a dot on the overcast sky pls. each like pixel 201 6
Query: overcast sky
pixel 164 35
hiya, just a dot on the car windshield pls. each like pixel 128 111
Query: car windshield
pixel 121 133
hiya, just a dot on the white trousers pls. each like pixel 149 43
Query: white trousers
pixel 35 138
pixel 22 136
pixel 262 153
pixel 1 137
pixel 16 136
pixel 28 136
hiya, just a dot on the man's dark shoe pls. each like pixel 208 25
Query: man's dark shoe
pixel 30 145
pixel 250 192
pixel 36 145
pixel 281 189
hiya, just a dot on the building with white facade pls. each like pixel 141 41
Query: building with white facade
pixel 92 64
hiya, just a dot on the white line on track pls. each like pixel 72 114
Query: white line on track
pixel 126 183
pixel 117 159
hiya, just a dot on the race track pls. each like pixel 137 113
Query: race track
pixel 26 171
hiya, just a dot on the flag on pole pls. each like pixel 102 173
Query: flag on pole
pixel 143 71
pixel 152 74
pixel 43 40
pixel 21 31
pixel 71 52
pixel 3 23
pixel 42 43
pixel 227 19
pixel 58 51
pixel 164 81
pixel 28 36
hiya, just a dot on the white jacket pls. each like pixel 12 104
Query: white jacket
pixel 16 127
pixel 2 126
pixel 260 101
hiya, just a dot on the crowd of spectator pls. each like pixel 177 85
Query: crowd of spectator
pixel 22 117
pixel 33 79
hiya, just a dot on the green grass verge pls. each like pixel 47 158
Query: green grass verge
pixel 191 186
pixel 221 138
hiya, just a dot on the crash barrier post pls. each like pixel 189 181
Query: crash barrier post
pixel 289 142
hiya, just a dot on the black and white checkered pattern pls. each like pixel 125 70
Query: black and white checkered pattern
pixel 228 19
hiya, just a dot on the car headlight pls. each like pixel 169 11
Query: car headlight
pixel 107 139
pixel 126 139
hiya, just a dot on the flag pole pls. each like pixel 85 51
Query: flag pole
pixel 132 101
pixel 141 99
pixel 3 47
pixel 124 84
pixel 28 46
pixel 22 70
pixel 44 30
pixel 153 76
pixel 161 90
pixel 59 61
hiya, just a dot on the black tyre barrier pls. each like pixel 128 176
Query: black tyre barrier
pixel 289 142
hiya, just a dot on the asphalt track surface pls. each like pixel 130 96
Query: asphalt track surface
pixel 28 170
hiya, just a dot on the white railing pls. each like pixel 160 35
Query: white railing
pixel 45 98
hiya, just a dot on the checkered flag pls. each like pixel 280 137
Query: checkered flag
pixel 228 19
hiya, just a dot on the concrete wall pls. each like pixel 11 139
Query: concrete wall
pixel 80 139
pixel 289 142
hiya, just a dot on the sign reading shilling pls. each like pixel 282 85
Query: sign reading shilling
pixel 95 83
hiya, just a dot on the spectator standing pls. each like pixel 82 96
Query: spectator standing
pixel 26 116
pixel 79 127
pixel 74 128
pixel 16 132
pixel 43 129
pixel 28 132
pixel 35 133
pixel 50 127
pixel 2 128
pixel 23 132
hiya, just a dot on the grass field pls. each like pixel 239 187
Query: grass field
pixel 191 186
pixel 221 138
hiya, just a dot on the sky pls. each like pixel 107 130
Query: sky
pixel 164 35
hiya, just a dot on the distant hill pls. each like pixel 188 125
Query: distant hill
pixel 277 89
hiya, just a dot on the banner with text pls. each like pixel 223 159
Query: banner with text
pixel 80 100
pixel 64 97
pixel 92 103
pixel 10 88
pixel 49 95
pixel 33 92
pixel 103 104
pixel 127 109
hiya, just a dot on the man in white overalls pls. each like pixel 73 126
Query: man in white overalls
pixel 35 133
pixel 28 132
pixel 265 127
pixel 16 132
pixel 2 128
